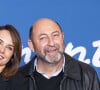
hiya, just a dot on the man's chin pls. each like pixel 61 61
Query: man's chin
pixel 53 59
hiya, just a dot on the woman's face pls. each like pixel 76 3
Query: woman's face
pixel 6 47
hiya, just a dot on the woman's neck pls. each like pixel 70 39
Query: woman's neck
pixel 1 68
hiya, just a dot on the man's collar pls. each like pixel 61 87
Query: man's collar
pixel 71 68
pixel 55 74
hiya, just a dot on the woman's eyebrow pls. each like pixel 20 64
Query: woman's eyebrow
pixel 7 43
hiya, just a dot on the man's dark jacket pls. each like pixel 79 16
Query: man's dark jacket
pixel 77 76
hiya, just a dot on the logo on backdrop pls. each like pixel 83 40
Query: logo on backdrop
pixel 71 50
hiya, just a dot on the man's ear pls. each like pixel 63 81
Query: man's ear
pixel 30 44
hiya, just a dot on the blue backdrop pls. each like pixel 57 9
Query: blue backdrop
pixel 80 21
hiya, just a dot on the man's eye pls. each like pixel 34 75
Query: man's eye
pixel 42 38
pixel 56 35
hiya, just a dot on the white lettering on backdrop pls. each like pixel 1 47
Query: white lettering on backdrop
pixel 71 50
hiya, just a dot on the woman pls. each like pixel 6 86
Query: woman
pixel 10 54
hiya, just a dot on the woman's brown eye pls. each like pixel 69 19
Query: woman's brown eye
pixel 10 48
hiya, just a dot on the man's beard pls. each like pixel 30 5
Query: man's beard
pixel 50 58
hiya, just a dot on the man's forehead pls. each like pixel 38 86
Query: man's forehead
pixel 46 27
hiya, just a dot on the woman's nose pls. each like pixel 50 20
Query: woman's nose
pixel 2 49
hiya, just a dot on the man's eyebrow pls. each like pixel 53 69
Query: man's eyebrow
pixel 55 32
pixel 42 34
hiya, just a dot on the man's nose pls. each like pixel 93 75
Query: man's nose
pixel 51 41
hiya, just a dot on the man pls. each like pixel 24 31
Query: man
pixel 52 68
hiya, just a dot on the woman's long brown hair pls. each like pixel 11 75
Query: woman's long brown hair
pixel 13 64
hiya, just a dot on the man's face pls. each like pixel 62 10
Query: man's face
pixel 48 42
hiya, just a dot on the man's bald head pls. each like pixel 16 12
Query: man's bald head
pixel 42 22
